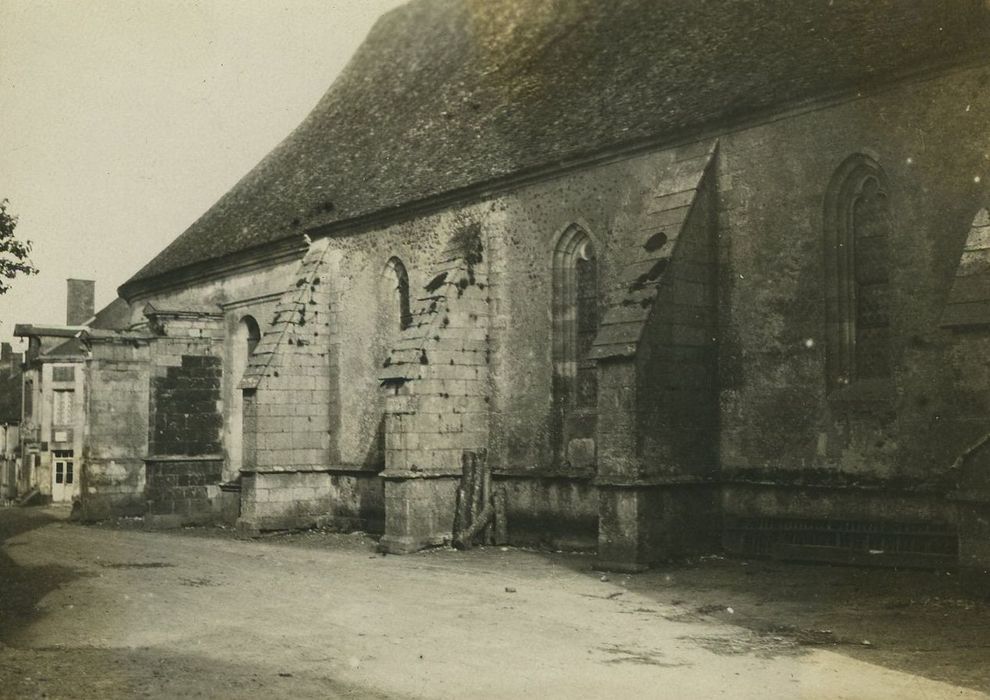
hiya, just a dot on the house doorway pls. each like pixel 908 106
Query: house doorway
pixel 63 476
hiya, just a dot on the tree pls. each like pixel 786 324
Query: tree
pixel 14 254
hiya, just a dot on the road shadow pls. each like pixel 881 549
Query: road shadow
pixel 914 621
pixel 91 672
pixel 23 587
pixel 318 538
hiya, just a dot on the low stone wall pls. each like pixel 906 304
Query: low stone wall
pixel 642 524
pixel 550 512
pixel 685 520
pixel 841 503
pixel 183 491
pixel 351 500
pixel 872 526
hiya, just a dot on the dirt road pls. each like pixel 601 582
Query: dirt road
pixel 117 612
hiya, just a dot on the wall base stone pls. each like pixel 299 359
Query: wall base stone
pixel 879 526
pixel 183 491
pixel 297 500
pixel 640 525
pixel 112 489
pixel 621 530
pixel 419 512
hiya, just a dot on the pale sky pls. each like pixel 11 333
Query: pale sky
pixel 121 121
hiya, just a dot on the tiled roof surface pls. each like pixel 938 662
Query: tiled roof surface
pixel 446 94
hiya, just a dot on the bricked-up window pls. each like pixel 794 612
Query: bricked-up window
pixel 857 263
pixel 63 374
pixel 62 404
pixel 575 321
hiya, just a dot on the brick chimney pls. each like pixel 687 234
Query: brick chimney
pixel 79 306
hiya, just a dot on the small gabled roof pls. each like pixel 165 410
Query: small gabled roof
pixel 113 316
pixel 28 330
pixel 450 94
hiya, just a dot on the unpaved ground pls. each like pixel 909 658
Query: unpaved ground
pixel 108 612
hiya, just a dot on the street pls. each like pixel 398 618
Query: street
pixel 114 611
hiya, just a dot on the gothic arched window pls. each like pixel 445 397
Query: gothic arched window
pixel 857 264
pixel 575 320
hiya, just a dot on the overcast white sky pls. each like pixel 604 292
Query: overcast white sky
pixel 121 121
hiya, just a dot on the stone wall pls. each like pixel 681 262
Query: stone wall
pixel 872 451
pixel 288 401
pixel 437 383
pixel 290 375
pixel 553 513
pixel 286 500
pixel 776 416
pixel 657 369
pixel 112 478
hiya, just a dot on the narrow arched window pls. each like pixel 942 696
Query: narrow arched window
pixel 251 334
pixel 397 279
pixel 243 343
pixel 857 257
pixel 575 320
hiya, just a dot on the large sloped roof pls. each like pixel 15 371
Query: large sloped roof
pixel 446 94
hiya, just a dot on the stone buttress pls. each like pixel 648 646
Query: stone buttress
pixel 437 402
pixel 288 397
pixel 657 431
pixel 967 313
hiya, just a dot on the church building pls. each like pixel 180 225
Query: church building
pixel 687 276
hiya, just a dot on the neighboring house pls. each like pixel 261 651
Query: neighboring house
pixel 54 422
pixel 689 274
pixel 53 384
pixel 10 421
